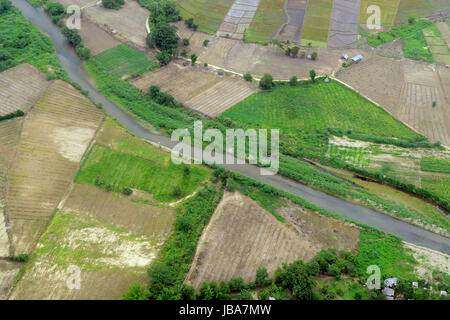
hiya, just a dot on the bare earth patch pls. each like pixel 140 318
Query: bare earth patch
pixel 429 260
pixel 20 88
pixel 8 273
pixel 241 237
pixel 96 38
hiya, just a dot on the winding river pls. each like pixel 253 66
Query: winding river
pixel 72 64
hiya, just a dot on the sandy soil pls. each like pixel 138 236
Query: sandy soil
pixel 15 82
pixel 241 237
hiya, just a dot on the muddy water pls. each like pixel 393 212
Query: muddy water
pixel 72 64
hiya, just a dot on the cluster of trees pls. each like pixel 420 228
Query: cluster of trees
pixel 162 97
pixel 4 5
pixel 113 4
pixel 191 24
pixel 55 10
pixel 267 83
pixel 15 114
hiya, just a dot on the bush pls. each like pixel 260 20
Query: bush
pixel 293 81
pixel 72 36
pixel 15 114
pixel 314 55
pixel 83 52
pixel 193 59
pixel 261 277
pixel 136 292
pixel 176 191
pixel 246 295
pixel 237 284
pixel 266 82
pixel 23 257
pixel 313 268
pixel 113 4
pixel 205 43
pixel 248 77
pixel 185 41
pixel 312 74
pixel 4 5
pixel 127 191
pixel 163 58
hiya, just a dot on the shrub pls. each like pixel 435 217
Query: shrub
pixel 205 43
pixel 193 59
pixel 261 277
pixel 136 292
pixel 314 55
pixel 313 268
pixel 163 58
pixel 113 4
pixel 15 114
pixel 183 53
pixel 4 5
pixel 176 191
pixel 312 74
pixel 237 284
pixel 185 41
pixel 293 81
pixel 246 295
pixel 248 77
pixel 72 36
pixel 127 191
pixel 266 82
pixel 23 257
pixel 411 19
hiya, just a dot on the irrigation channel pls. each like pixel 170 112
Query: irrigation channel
pixel 72 64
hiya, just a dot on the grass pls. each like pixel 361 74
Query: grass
pixel 317 21
pixel 419 9
pixel 268 19
pixel 23 42
pixel 388 11
pixel 438 46
pixel 356 156
pixel 414 42
pixel 437 184
pixel 386 252
pixel 124 61
pixel 207 14
pixel 435 165
pixel 302 112
pixel 35 3
pixel 123 160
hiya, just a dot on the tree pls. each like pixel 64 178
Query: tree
pixel 296 278
pixel 261 277
pixel 163 57
pixel 4 5
pixel 312 74
pixel 113 4
pixel 164 37
pixel 205 43
pixel 83 52
pixel 237 284
pixel 186 41
pixel 411 19
pixel 176 191
pixel 313 268
pixel 187 170
pixel 293 81
pixel 187 292
pixel 189 22
pixel 266 82
pixel 136 292
pixel 72 36
pixel 294 51
pixel 314 55
pixel 193 59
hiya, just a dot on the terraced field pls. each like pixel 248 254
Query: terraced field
pixel 15 82
pixel 317 22
pixel 209 15
pixel 268 19
pixel 9 138
pixel 388 11
pixel 55 136
pixel 201 90
pixel 236 244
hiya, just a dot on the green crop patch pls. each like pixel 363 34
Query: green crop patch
pixel 114 170
pixel 359 157
pixel 435 165
pixel 124 61
pixel 207 14
pixel 317 21
pixel 268 19
pixel 438 185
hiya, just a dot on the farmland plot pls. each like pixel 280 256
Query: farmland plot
pixel 15 82
pixel 95 38
pixel 8 273
pixel 292 29
pixel 201 90
pixel 54 138
pixel 238 19
pixel 317 22
pixel 129 21
pixel 241 237
pixel 419 9
pixel 266 22
pixel 344 24
pixel 387 8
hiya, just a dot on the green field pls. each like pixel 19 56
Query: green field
pixel 359 157
pixel 388 11
pixel 438 46
pixel 207 14
pixel 435 165
pixel 122 160
pixel 124 61
pixel 302 113
pixel 414 42
pixel 268 19
pixel 317 22
pixel 437 184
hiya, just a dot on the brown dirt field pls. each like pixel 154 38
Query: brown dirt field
pixel 121 211
pixel 95 38
pixel 15 82
pixel 241 237
pixel 54 138
pixel 407 89
pixel 200 89
pixel 8 273
pixel 129 21
pixel 242 57
pixel 9 138
pixel 195 38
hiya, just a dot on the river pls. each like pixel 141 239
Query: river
pixel 72 64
